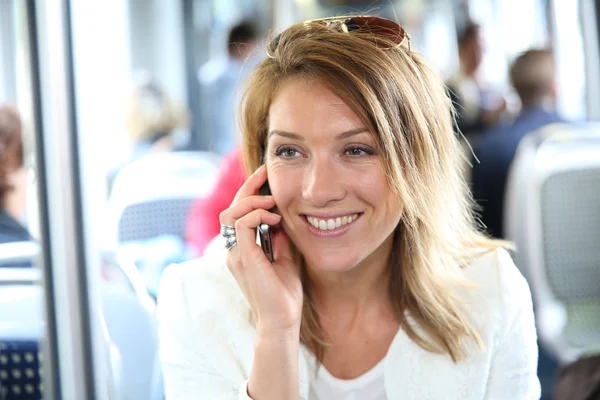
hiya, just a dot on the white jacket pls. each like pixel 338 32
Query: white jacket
pixel 207 340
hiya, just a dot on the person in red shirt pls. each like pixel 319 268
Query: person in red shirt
pixel 202 223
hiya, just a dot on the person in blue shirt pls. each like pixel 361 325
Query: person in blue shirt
pixel 533 77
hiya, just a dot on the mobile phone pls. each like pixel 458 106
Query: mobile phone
pixel 264 230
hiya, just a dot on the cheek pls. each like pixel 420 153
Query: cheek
pixel 373 185
pixel 285 185
pixel 384 199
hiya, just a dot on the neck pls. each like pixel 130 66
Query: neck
pixel 14 202
pixel 468 69
pixel 357 290
pixel 546 103
pixel 12 207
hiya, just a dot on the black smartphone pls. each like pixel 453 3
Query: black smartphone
pixel 264 230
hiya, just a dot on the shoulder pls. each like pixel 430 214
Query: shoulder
pixel 496 274
pixel 494 148
pixel 202 298
pixel 205 285
pixel 11 230
pixel 494 137
pixel 501 292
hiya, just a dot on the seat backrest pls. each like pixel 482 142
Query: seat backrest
pixel 552 212
pixel 151 196
pixel 21 329
pixel 18 254
pixel 132 328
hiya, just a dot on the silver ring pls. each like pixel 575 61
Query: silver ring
pixel 227 230
pixel 230 241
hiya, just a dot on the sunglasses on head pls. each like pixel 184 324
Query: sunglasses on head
pixel 377 26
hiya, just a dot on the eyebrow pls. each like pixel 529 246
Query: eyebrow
pixel 295 136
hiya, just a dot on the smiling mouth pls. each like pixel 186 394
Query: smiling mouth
pixel 330 224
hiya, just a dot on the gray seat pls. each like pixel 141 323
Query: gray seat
pixel 132 328
pixel 21 330
pixel 152 196
pixel 552 213
pixel 129 328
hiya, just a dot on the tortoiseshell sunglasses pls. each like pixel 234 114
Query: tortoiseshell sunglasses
pixel 377 26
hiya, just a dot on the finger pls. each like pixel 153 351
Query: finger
pixel 245 233
pixel 245 205
pixel 245 229
pixel 252 184
pixel 249 222
pixel 281 245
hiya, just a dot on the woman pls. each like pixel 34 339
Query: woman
pixel 13 177
pixel 382 287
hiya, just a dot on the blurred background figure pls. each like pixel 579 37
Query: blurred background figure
pixel 533 78
pixel 154 121
pixel 219 81
pixel 13 177
pixel 478 105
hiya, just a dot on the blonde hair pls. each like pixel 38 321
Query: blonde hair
pixel 404 102
pixel 152 113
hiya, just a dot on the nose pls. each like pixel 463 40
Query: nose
pixel 323 182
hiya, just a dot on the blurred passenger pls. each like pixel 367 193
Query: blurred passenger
pixel 152 120
pixel 202 223
pixel 378 266
pixel 478 106
pixel 533 77
pixel 13 177
pixel 220 80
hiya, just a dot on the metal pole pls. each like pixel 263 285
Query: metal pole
pixel 65 278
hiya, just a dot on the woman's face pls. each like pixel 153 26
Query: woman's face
pixel 327 178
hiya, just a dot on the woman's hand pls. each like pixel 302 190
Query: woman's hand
pixel 274 291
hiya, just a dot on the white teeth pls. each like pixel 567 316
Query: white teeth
pixel 331 223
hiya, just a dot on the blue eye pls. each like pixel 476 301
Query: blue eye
pixel 287 152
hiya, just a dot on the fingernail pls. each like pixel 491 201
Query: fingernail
pixel 259 169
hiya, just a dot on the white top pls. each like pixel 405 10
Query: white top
pixel 207 339
pixel 324 386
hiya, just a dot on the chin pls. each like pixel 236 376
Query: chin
pixel 330 260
